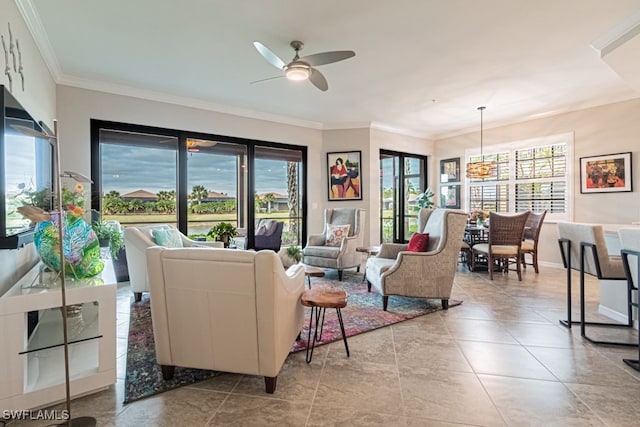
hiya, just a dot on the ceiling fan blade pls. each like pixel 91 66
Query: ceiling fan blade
pixel 328 57
pixel 271 57
pixel 264 80
pixel 318 80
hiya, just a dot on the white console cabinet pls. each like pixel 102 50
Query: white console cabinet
pixel 32 364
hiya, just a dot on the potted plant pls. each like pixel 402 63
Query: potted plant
pixel 223 232
pixel 110 236
pixel 424 199
pixel 294 252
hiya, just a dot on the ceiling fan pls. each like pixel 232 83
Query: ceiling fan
pixel 194 144
pixel 303 68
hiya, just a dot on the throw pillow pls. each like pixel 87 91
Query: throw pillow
pixel 168 238
pixel 419 242
pixel 335 234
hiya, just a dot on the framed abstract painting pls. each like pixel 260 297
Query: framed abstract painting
pixel 450 196
pixel 450 170
pixel 344 173
pixel 610 173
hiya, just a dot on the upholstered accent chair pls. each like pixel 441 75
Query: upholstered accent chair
pixel 396 271
pixel 505 242
pixel 223 309
pixel 531 235
pixel 268 235
pixel 137 240
pixel 318 250
pixel 583 248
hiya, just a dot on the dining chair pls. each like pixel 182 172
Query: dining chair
pixel 505 242
pixel 531 235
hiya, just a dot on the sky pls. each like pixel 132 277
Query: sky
pixel 128 168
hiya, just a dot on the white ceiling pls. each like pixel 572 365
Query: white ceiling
pixel 421 66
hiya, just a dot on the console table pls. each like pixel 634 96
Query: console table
pixel 32 352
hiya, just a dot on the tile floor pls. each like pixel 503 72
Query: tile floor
pixel 499 359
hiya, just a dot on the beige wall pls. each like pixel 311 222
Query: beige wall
pixel 39 99
pixel 607 129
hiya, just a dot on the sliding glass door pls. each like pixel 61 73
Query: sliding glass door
pixel 148 175
pixel 216 184
pixel 402 179
pixel 138 177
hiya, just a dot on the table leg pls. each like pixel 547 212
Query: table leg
pixel 344 335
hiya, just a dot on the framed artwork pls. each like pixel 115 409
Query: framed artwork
pixel 343 170
pixel 450 196
pixel 610 173
pixel 450 170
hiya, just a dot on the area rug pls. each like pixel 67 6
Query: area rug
pixel 363 313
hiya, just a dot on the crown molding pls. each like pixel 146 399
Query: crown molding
pixel 346 125
pixel 400 131
pixel 150 95
pixel 618 35
pixel 33 22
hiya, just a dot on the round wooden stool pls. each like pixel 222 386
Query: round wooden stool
pixel 319 300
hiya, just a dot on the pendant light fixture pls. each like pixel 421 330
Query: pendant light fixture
pixel 481 169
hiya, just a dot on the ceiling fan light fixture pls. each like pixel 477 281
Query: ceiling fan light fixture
pixel 297 72
pixel 481 169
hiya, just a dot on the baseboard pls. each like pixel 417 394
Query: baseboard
pixel 612 314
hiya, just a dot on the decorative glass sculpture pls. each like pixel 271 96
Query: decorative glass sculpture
pixel 80 245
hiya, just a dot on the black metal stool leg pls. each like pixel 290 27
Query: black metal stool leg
pixel 309 355
pixel 344 335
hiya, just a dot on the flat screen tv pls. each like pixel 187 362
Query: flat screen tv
pixel 26 172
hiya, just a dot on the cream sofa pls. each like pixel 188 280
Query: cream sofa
pixel 223 309
pixel 136 241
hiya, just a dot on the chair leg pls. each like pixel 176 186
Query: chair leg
pixel 167 372
pixel 445 303
pixel 385 301
pixel 340 275
pixel 368 286
pixel 270 384
pixel 490 266
pixel 137 296
pixel 519 270
pixel 535 261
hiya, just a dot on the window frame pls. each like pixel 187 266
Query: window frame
pixel 511 148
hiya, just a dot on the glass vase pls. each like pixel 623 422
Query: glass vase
pixel 80 246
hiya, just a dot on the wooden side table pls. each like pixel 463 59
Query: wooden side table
pixel 319 300
pixel 311 271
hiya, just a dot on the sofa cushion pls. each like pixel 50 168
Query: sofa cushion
pixel 380 265
pixel 167 238
pixel 322 251
pixel 335 234
pixel 419 242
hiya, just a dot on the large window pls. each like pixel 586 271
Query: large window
pixel 151 175
pixel 531 175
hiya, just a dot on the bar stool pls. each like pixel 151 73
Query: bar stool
pixel 584 245
pixel 630 244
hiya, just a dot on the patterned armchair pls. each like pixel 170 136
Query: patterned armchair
pixel 319 252
pixel 396 271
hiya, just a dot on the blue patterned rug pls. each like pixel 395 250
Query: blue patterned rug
pixel 363 313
